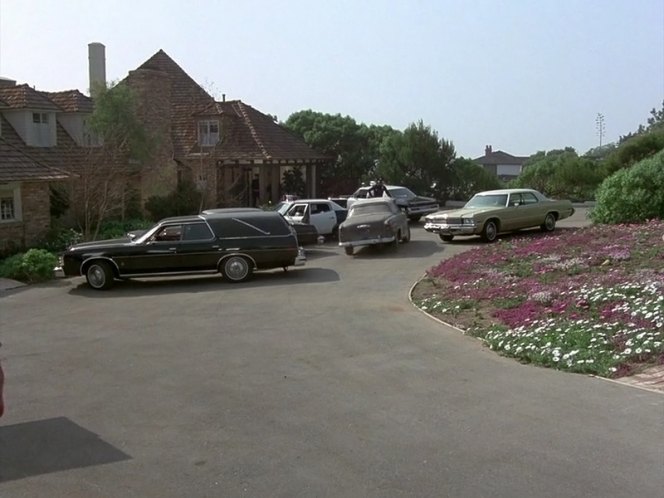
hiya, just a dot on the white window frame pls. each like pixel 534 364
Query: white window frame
pixel 12 193
pixel 206 137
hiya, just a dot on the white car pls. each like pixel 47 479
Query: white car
pixel 415 206
pixel 324 214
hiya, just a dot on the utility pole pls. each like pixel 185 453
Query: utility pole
pixel 599 124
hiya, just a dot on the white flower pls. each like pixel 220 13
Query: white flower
pixel 628 351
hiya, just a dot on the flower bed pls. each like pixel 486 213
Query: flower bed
pixel 588 300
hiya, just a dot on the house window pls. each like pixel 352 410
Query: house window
pixel 208 133
pixel 10 202
pixel 40 118
pixel 7 208
pixel 42 130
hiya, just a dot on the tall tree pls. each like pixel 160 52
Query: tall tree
pixel 355 146
pixel 561 173
pixel 418 159
pixel 105 172
pixel 470 178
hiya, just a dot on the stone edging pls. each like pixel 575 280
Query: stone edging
pixel 441 322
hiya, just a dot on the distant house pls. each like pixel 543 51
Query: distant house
pixel 505 166
pixel 223 147
pixel 37 145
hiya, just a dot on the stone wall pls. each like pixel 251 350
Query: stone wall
pixel 35 208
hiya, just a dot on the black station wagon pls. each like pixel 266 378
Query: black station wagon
pixel 234 244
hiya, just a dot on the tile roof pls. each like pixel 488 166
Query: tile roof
pixel 499 157
pixel 71 101
pixel 253 135
pixel 26 97
pixel 187 98
pixel 18 164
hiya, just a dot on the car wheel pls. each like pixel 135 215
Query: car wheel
pixel 99 275
pixel 549 224
pixel 236 269
pixel 446 238
pixel 406 237
pixel 415 218
pixel 490 231
pixel 348 250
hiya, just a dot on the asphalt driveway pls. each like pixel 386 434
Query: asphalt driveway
pixel 323 381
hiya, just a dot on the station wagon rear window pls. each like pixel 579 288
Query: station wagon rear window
pixel 250 226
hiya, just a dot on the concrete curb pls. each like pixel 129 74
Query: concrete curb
pixel 8 284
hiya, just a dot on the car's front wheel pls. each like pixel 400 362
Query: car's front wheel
pixel 99 275
pixel 446 238
pixel 236 269
pixel 549 224
pixel 490 231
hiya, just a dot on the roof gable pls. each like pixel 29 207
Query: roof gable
pixel 186 97
pixel 26 97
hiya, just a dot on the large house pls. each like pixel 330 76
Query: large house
pixel 505 166
pixel 41 135
pixel 222 146
pixel 234 154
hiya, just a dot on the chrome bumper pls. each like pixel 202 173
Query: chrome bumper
pixel 423 210
pixel 445 229
pixel 368 242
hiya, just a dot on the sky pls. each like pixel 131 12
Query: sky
pixel 519 75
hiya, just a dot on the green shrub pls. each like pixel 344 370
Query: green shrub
pixel 632 195
pixel 58 239
pixel 186 199
pixel 33 266
pixel 115 229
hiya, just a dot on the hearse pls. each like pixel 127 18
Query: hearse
pixel 233 243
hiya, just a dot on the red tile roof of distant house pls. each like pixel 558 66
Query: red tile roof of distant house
pixel 499 157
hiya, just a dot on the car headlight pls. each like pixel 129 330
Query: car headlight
pixel 468 221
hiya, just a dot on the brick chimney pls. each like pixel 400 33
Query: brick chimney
pixel 96 66
pixel 487 150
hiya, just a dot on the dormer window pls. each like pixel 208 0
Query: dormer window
pixel 42 130
pixel 208 133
